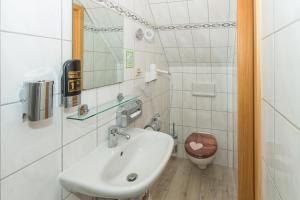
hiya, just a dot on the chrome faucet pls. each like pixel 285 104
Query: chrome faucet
pixel 113 133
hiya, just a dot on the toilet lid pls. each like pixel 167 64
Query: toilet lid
pixel 201 145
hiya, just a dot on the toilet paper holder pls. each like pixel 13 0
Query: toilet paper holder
pixel 129 112
pixel 154 123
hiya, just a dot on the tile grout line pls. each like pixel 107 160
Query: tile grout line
pixel 211 76
pixel 1 139
pixel 177 44
pixel 282 115
pixel 30 164
pixel 32 35
pixel 233 97
pixel 78 138
pixel 62 106
pixel 194 48
pixel 274 34
pixel 97 92
pixel 268 173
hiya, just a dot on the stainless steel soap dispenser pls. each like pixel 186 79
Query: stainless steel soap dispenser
pixel 38 99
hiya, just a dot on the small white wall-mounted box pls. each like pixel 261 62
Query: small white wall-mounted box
pixel 204 89
pixel 151 73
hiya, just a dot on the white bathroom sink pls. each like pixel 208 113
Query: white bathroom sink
pixel 103 172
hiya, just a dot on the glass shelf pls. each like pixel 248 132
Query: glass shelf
pixel 101 109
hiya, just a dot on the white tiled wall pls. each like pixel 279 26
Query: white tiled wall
pixel 193 11
pixel 209 114
pixel 36 39
pixel 280 99
pixel 203 55
pixel 233 119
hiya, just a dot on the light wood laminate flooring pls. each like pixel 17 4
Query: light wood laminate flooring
pixel 182 180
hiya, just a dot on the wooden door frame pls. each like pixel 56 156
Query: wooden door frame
pixel 78 35
pixel 257 104
pixel 249 139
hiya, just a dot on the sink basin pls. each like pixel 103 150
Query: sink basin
pixel 104 172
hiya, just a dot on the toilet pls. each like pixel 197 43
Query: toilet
pixel 201 149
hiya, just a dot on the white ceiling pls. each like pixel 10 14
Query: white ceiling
pixel 192 11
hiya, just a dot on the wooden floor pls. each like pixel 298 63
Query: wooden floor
pixel 182 180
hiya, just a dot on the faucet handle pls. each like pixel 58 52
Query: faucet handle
pixel 116 130
pixel 113 130
pixel 112 136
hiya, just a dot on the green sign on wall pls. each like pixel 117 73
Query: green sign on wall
pixel 129 58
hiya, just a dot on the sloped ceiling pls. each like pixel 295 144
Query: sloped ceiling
pixel 203 45
pixel 186 45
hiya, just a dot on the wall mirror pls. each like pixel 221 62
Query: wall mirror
pixel 98 43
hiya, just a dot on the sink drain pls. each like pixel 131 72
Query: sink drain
pixel 132 177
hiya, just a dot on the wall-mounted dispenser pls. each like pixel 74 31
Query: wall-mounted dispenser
pixel 71 83
pixel 151 73
pixel 38 100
